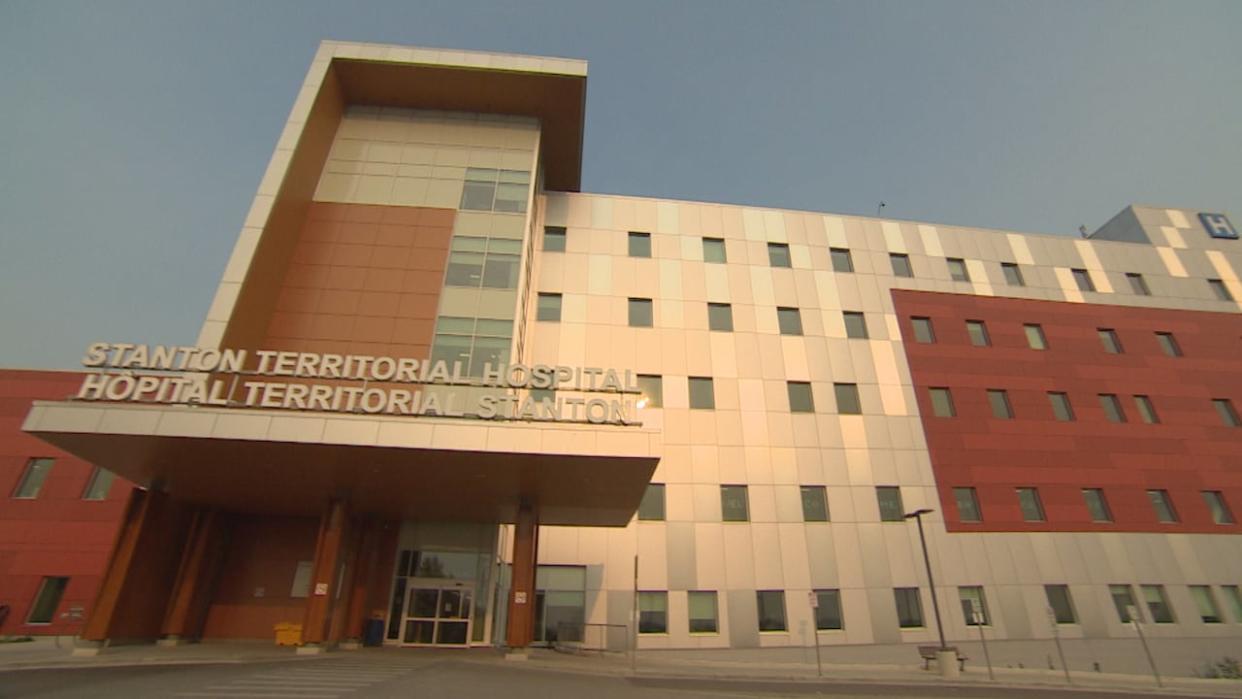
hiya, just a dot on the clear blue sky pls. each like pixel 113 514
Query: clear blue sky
pixel 133 135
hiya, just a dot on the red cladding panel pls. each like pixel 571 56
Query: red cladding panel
pixel 1189 451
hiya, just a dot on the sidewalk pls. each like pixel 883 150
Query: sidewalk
pixel 651 666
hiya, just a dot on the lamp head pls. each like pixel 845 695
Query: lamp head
pixel 918 513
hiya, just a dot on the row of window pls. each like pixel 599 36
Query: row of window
pixel 703 607
pixel 38 469
pixel 977 331
pixel 1032 506
pixel 641 314
pixel 735 504
pixel 942 404
pixel 639 245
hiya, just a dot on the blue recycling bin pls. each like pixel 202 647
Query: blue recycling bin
pixel 373 633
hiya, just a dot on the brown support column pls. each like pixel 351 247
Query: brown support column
pixel 329 554
pixel 521 630
pixel 196 574
pixel 123 551
pixel 363 580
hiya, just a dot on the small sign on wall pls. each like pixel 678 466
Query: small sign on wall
pixel 519 597
pixel 321 589
pixel 1218 226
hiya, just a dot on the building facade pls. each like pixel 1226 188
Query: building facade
pixel 701 424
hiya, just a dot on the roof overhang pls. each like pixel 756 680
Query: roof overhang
pixel 266 461
pixel 550 90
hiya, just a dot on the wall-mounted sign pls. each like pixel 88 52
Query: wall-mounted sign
pixel 356 384
pixel 1218 226
pixel 519 597
pixel 321 589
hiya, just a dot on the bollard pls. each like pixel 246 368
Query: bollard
pixel 947 660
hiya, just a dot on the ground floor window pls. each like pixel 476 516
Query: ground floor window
pixel 909 607
pixel 560 603
pixel 828 610
pixel 771 605
pixel 43 611
pixel 702 611
pixel 653 612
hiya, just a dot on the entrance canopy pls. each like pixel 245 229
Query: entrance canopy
pixel 267 461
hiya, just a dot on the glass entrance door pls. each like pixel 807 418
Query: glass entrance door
pixel 438 615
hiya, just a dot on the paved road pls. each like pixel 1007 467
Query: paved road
pixel 435 676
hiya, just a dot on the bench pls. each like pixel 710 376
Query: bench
pixel 928 654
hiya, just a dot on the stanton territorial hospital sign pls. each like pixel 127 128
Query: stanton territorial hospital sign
pixel 349 383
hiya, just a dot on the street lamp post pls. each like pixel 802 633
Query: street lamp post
pixel 917 515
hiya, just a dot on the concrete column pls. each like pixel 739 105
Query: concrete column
pixel 329 554
pixel 521 630
pixel 362 581
pixel 196 576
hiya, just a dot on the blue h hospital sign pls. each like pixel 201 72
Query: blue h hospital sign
pixel 1218 226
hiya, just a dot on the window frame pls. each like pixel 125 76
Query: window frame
pixel 94 492
pixel 1031 505
pixel 638 245
pixel 1226 412
pixel 1070 615
pixel 559 234
pixel 652 596
pixel 655 492
pixel 1122 605
pixel 1160 498
pixel 912 617
pixel 1169 344
pixel 1220 290
pixel 731 514
pixel 1153 612
pixel 1146 409
pixel 890 513
pixel 998 400
pixel 971 497
pixel 1110 340
pixel 1083 279
pixel 43 606
pixel 1206 605
pixel 833 597
pixel 761 607
pixel 34 478
pixel 1105 513
pixel 656 400
pixel 819 495
pixel 691 618
pixel 779 256
pixel 901 265
pixel 715 245
pixel 941 399
pixel 837 255
pixel 961 273
pixel 719 314
pixel 1138 284
pixel 1012 273
pixel 1113 410
pixel 786 318
pixel 983 338
pixel 691 382
pixel 544 314
pixel 857 326
pixel 1062 408
pixel 924 330
pixel 847 399
pixel 641 305
pixel 1218 507
pixel 963 597
pixel 793 390
pixel 1035 337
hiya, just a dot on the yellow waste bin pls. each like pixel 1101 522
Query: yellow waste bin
pixel 288 634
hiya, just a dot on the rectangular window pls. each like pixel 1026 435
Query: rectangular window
pixel 923 331
pixel 967 505
pixel 465 262
pixel 714 251
pixel 814 503
pixel 548 307
pixel 43 611
pixel 901 264
pixel 1032 507
pixel 1083 279
pixel 554 239
pixel 98 486
pixel 1163 505
pixel 771 604
pixel 974 605
pixel 841 260
pixel 651 508
pixel 789 320
pixel 1224 408
pixel 801 399
pixel 1168 344
pixel 639 244
pixel 479 191
pixel 909 607
pixel 828 610
pixel 999 400
pixel 702 610
pixel 1035 336
pixel 855 325
pixel 1233 596
pixel 702 393
pixel 720 317
pixel 1146 410
pixel 848 402
pixel 1112 408
pixel 1157 604
pixel 640 313
pixel 957 269
pixel 1062 606
pixel 653 612
pixel 942 402
pixel 1097 505
pixel 778 255
pixel 1137 284
pixel 734 506
pixel 1217 506
pixel 889 499
pixel 512 190
pixel 1123 599
pixel 1013 274
pixel 1108 338
pixel 978 331
pixel 652 388
pixel 1061 408
pixel 35 475
pixel 1205 602
pixel 1220 290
